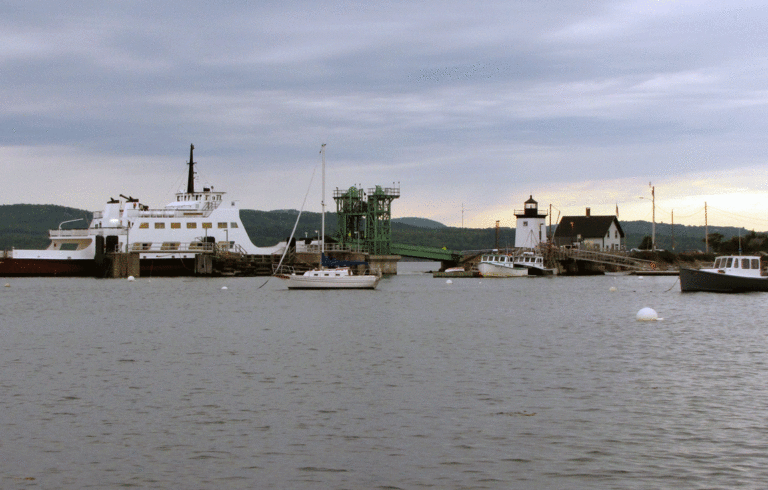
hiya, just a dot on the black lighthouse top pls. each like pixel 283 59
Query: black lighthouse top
pixel 531 210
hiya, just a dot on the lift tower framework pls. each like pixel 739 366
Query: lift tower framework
pixel 365 220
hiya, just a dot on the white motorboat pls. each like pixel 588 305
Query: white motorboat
pixel 500 265
pixel 328 277
pixel 730 274
pixel 534 263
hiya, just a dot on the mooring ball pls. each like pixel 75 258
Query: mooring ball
pixel 449 281
pixel 647 315
pixel 131 278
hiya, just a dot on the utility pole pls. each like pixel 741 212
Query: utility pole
pixel 673 230
pixel 706 229
pixel 549 231
pixel 653 227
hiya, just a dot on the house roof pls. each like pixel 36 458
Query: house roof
pixel 586 226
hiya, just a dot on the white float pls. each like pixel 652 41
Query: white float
pixel 647 315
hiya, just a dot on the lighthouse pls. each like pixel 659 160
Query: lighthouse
pixel 531 226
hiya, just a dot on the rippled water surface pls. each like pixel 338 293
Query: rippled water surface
pixel 507 383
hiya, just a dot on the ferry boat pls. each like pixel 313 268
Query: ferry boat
pixel 730 274
pixel 168 239
pixel 500 265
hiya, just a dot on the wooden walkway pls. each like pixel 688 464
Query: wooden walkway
pixel 619 259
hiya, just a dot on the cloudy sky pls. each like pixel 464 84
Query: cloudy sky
pixel 470 107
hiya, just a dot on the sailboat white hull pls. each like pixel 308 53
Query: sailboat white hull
pixel 328 280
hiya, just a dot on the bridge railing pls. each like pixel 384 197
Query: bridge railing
pixel 619 258
pixel 431 253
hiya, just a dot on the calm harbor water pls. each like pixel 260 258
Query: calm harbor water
pixel 517 383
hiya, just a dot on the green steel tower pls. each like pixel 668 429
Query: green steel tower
pixel 365 222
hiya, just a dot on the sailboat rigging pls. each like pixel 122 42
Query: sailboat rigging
pixel 328 277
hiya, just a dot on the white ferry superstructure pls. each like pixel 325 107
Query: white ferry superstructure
pixel 168 239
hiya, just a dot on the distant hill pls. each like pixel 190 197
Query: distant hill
pixel 419 222
pixel 27 225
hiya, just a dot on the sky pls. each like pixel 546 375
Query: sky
pixel 469 108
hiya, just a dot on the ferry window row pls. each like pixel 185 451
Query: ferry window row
pixel 190 225
pixel 196 197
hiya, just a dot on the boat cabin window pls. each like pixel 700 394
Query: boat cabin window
pixel 159 226
pixel 745 263
pixel 233 225
pixel 191 224
pixel 175 225
pixel 222 225
pixel 207 225
pixel 144 225
pixel 729 262
pixel 755 263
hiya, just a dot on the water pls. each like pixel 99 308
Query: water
pixel 507 383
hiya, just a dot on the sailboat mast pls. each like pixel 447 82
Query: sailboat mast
pixel 322 204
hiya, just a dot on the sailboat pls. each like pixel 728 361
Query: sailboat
pixel 329 277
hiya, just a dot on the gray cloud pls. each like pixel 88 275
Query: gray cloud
pixel 436 94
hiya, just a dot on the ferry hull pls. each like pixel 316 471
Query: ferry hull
pixel 10 267
pixel 692 280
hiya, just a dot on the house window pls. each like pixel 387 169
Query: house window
pixel 159 226
pixel 175 225
pixel 617 234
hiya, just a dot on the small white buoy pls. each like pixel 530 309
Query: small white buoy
pixel 613 289
pixel 131 278
pixel 640 277
pixel 7 285
pixel 449 281
pixel 224 287
pixel 647 315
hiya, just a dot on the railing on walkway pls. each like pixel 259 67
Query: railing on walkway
pixel 620 259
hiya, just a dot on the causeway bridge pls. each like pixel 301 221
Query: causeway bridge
pixel 617 259
pixel 552 256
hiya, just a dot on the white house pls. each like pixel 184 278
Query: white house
pixel 594 232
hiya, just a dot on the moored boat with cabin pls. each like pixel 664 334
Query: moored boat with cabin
pixel 729 274
pixel 500 265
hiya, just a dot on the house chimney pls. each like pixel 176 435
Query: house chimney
pixel 587 212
